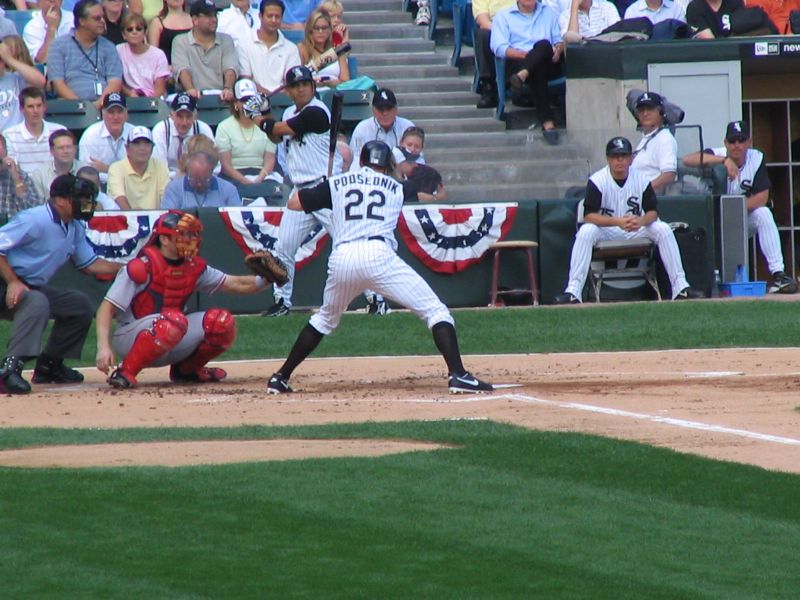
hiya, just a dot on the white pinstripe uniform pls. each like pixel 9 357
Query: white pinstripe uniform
pixel 364 208
pixel 753 179
pixel 306 165
pixel 617 201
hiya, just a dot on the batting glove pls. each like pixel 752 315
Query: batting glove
pixel 256 106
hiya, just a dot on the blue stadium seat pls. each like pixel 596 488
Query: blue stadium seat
pixel 212 110
pixel 293 35
pixel 20 18
pixel 463 28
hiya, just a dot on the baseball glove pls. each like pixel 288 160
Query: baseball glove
pixel 256 106
pixel 265 264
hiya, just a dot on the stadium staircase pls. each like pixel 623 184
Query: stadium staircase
pixel 478 156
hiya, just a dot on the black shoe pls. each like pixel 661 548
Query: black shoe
pixel 120 380
pixel 376 306
pixel 279 309
pixel 488 95
pixel 11 381
pixel 52 370
pixel 467 384
pixel 566 298
pixel 782 284
pixel 688 293
pixel 516 83
pixel 278 384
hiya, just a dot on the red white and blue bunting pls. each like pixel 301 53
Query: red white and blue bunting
pixel 450 238
pixel 118 236
pixel 257 229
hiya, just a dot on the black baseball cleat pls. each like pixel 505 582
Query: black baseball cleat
pixel 11 380
pixel 782 284
pixel 202 375
pixel 279 309
pixel 467 384
pixel 688 293
pixel 120 380
pixel 52 370
pixel 566 298
pixel 376 306
pixel 278 384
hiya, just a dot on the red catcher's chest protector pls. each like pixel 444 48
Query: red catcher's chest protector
pixel 170 285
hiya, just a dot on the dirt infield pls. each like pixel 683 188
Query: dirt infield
pixel 738 405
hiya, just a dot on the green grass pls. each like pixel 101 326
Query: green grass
pixel 509 513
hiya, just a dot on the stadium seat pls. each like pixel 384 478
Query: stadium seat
pixel 556 86
pixel 75 115
pixel 146 111
pixel 463 28
pixel 20 18
pixel 212 110
pixel 293 35
pixel 357 106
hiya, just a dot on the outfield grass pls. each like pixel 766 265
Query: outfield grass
pixel 509 513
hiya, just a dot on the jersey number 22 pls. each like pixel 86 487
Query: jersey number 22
pixel 353 210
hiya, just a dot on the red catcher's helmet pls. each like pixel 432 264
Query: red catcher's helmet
pixel 185 229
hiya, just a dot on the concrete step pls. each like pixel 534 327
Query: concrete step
pixel 430 84
pixel 354 6
pixel 363 47
pixel 504 192
pixel 520 171
pixel 474 125
pixel 424 98
pixel 376 16
pixel 491 139
pixel 436 154
pixel 391 59
pixel 393 73
pixel 386 31
pixel 417 113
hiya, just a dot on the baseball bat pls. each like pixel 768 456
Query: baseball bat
pixel 338 50
pixel 337 104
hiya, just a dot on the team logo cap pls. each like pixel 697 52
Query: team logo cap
pixel 649 100
pixel 298 74
pixel 384 98
pixel 183 102
pixel 114 99
pixel 618 146
pixel 737 131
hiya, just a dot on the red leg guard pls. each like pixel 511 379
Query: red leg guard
pixel 219 328
pixel 167 330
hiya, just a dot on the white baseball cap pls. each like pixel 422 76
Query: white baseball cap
pixel 138 133
pixel 245 88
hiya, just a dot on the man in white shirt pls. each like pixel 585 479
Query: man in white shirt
pixel 656 155
pixel 64 150
pixel 239 20
pixel 385 125
pixel 45 25
pixel 656 10
pixel 267 55
pixel 586 18
pixel 171 135
pixel 103 143
pixel 29 141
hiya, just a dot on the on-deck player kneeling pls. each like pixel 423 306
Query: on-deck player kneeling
pixel 151 295
pixel 360 211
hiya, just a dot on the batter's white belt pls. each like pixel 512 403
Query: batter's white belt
pixel 372 238
pixel 312 183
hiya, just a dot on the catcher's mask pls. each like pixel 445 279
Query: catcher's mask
pixel 80 192
pixel 185 229
pixel 377 155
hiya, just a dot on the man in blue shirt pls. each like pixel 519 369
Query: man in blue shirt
pixel 83 64
pixel 296 13
pixel 200 187
pixel 33 246
pixel 528 36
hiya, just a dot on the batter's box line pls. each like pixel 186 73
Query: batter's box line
pixel 753 435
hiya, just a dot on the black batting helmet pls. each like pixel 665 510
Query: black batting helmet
pixel 378 155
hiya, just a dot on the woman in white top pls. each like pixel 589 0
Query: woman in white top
pixel 245 152
pixel 144 67
pixel 319 38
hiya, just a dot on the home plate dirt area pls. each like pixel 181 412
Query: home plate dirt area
pixel 738 405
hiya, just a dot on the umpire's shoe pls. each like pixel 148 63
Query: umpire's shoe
pixel 467 383
pixel 279 309
pixel 566 298
pixel 782 284
pixel 278 384
pixel 11 381
pixel 688 293
pixel 50 369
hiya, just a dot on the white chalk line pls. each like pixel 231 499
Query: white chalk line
pixel 762 437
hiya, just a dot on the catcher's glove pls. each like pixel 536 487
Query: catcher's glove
pixel 265 264
pixel 256 106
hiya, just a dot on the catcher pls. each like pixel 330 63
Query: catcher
pixel 149 298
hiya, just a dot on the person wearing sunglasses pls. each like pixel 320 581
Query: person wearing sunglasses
pixel 145 70
pixel 318 39
pixel 747 176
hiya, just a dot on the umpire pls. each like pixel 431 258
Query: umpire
pixel 33 246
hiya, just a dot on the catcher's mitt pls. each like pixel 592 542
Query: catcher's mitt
pixel 265 264
pixel 256 106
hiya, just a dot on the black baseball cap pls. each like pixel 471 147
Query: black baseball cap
pixel 649 100
pixel 617 146
pixel 183 102
pixel 384 98
pixel 114 99
pixel 737 131
pixel 203 7
pixel 298 74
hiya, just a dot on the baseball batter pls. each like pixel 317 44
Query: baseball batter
pixel 747 176
pixel 620 204
pixel 361 210
pixel 149 297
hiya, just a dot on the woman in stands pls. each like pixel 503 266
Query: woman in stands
pixel 245 152
pixel 172 21
pixel 145 70
pixel 319 38
pixel 16 72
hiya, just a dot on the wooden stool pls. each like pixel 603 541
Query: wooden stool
pixel 525 246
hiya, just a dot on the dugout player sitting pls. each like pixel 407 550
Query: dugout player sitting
pixel 33 246
pixel 149 298
pixel 747 176
pixel 362 210
pixel 620 204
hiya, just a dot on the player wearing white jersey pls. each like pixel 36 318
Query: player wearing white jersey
pixel 620 204
pixel 747 176
pixel 361 210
